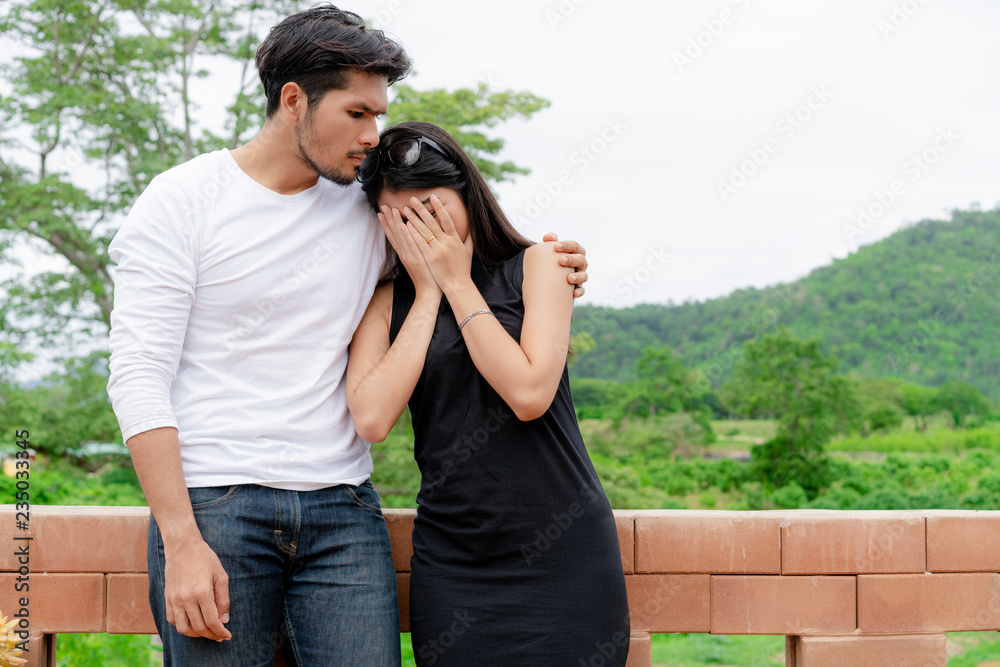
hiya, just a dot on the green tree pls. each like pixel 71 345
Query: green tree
pixel 666 387
pixel 919 402
pixel 961 400
pixel 67 409
pixel 103 91
pixel 464 113
pixel 663 385
pixel 595 398
pixel 106 88
pixel 882 404
pixel 794 381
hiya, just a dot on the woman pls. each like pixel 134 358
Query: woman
pixel 515 553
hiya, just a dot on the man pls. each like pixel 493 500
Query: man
pixel 241 278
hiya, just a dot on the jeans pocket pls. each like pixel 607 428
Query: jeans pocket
pixel 205 497
pixel 364 496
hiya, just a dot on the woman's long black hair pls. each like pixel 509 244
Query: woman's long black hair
pixel 494 239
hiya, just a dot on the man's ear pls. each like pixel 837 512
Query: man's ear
pixel 293 102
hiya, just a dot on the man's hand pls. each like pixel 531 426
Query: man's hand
pixel 196 587
pixel 574 255
pixel 197 591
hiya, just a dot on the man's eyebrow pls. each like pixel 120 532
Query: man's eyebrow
pixel 368 109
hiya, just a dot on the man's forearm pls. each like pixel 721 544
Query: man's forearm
pixel 156 456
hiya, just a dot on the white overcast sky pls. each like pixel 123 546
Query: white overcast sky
pixel 689 91
pixel 803 112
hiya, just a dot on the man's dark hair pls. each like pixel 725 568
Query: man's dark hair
pixel 319 49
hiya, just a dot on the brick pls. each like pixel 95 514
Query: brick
pixel 41 651
pixel 640 651
pixel 899 651
pixel 669 602
pixel 80 539
pixel 963 543
pixel 708 542
pixel 58 602
pixel 403 586
pixel 877 542
pixel 767 605
pixel 400 525
pixel 625 521
pixel 128 605
pixel 926 603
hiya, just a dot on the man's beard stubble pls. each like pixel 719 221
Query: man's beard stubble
pixel 332 174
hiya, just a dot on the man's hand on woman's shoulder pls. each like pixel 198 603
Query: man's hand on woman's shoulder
pixel 574 255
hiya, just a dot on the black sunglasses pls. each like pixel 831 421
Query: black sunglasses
pixel 402 153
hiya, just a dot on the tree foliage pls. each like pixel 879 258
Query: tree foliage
pixel 922 305
pixel 99 99
pixel 67 409
pixel 796 382
pixel 961 401
pixel 465 114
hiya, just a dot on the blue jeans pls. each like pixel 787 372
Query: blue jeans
pixel 316 563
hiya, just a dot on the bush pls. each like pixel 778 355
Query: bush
pixel 844 498
pixel 883 499
pixel 791 496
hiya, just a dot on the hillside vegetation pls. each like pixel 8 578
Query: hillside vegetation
pixel 921 305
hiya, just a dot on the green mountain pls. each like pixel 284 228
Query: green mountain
pixel 922 305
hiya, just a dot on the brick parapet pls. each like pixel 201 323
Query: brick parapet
pixel 856 583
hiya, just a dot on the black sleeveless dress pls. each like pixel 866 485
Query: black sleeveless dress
pixel 515 553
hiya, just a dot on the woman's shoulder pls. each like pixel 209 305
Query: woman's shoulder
pixel 542 259
pixel 538 250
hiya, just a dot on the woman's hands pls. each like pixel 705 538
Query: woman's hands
pixel 447 258
pixel 409 253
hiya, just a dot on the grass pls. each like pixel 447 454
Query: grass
pixel 965 649
pixel 698 650
pixel 973 649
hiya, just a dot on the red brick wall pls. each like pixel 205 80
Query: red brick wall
pixel 855 588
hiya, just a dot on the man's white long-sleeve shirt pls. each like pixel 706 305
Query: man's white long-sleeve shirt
pixel 234 308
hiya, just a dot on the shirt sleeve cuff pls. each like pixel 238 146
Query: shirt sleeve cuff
pixel 147 425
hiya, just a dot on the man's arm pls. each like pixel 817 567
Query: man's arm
pixel 156 255
pixel 197 587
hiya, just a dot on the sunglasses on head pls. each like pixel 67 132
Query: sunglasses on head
pixel 402 153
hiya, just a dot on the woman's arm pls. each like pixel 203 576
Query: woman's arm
pixel 380 377
pixel 526 375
